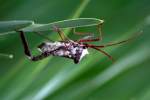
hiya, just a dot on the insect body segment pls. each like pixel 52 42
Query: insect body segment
pixel 69 49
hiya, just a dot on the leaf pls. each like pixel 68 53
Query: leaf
pixel 6 26
pixel 71 23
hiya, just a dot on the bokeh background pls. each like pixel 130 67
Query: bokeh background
pixel 95 77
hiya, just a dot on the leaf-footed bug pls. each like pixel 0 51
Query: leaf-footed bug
pixel 73 49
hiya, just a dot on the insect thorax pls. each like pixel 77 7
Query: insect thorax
pixel 70 49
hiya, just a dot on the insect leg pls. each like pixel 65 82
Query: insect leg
pixel 79 33
pixel 99 38
pixel 99 27
pixel 27 50
pixel 25 44
pixel 61 33
pixel 88 40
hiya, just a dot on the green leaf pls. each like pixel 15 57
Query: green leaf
pixel 95 77
pixel 29 26
pixel 72 23
pixel 6 26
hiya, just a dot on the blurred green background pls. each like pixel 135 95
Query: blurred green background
pixel 95 77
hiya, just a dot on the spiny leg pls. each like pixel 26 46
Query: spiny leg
pixel 27 50
pixel 99 38
pixel 61 33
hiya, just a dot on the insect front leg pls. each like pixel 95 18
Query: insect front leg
pixel 27 50
pixel 25 44
pixel 61 33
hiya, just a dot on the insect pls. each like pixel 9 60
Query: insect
pixel 72 49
